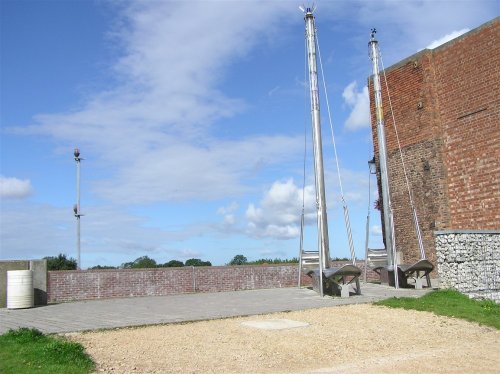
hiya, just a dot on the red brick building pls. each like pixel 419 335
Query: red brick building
pixel 446 104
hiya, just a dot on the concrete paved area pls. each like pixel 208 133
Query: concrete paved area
pixel 113 313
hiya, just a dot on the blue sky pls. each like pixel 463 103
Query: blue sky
pixel 190 116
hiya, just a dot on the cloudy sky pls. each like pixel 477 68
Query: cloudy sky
pixel 191 117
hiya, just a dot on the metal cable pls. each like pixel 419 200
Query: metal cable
pixel 346 209
pixel 414 211
pixel 304 169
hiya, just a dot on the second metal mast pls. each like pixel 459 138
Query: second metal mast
pixel 76 208
pixel 390 243
pixel 317 143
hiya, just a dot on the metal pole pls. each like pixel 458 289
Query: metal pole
pixel 367 234
pixel 301 246
pixel 317 143
pixel 77 207
pixel 384 175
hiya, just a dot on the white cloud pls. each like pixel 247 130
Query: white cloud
pixel 11 187
pixel 186 253
pixel 278 215
pixel 446 38
pixel 359 102
pixel 408 26
pixel 273 91
pixel 152 131
pixel 354 184
pixel 229 219
pixel 182 170
pixel 376 230
pixel 228 213
pixel 231 208
pixel 109 235
pixel 34 230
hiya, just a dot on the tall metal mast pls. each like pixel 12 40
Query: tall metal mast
pixel 390 242
pixel 76 207
pixel 317 143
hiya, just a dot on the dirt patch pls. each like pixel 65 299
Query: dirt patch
pixel 353 338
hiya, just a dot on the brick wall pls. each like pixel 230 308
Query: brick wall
pixel 96 284
pixel 468 85
pixel 445 103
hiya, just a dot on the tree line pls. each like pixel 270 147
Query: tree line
pixel 63 262
pixel 242 260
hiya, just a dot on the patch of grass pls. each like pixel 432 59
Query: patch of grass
pixel 450 303
pixel 29 351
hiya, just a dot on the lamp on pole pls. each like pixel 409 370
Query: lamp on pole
pixel 76 207
pixel 372 166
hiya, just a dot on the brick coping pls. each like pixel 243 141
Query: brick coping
pixel 446 232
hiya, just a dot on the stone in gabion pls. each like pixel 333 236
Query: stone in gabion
pixel 469 263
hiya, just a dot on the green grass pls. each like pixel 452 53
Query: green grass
pixel 450 303
pixel 29 351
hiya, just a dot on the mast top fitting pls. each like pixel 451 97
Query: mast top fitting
pixel 308 10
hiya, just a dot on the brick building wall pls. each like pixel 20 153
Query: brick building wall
pixel 445 103
pixel 468 73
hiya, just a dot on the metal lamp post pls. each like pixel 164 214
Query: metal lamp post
pixel 76 207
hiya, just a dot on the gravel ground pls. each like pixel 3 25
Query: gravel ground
pixel 353 338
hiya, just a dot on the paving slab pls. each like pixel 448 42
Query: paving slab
pixel 116 313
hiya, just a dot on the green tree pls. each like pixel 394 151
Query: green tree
pixel 276 261
pixel 102 267
pixel 239 260
pixel 140 263
pixel 173 264
pixel 197 262
pixel 61 262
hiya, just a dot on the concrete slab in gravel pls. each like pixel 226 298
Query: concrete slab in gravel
pixel 275 324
